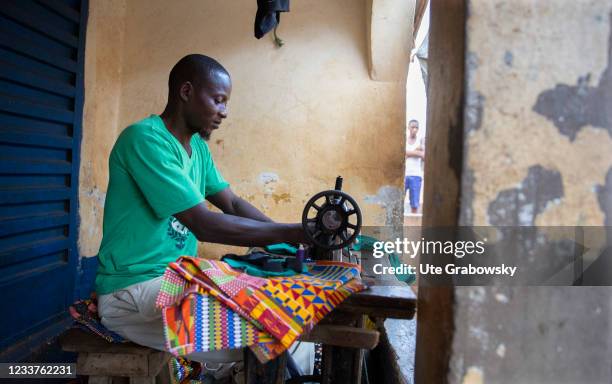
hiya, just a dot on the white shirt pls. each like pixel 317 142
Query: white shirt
pixel 414 165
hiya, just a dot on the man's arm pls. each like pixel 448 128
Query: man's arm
pixel 222 228
pixel 232 204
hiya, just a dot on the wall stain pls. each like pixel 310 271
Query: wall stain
pixel 474 99
pixel 508 58
pixel 543 329
pixel 521 205
pixel 572 107
pixel 473 110
pixel 467 198
pixel 472 61
pixel 390 198
pixel 604 195
pixel 282 197
pixel 598 272
pixel 266 178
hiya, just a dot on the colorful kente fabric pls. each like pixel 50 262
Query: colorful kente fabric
pixel 210 306
pixel 289 306
pixel 201 275
pixel 292 313
pixel 201 323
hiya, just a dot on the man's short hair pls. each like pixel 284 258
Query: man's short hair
pixel 413 121
pixel 196 68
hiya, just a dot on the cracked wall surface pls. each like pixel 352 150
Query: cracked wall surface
pixel 537 151
pixel 529 110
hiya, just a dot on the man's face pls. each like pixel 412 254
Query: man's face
pixel 414 129
pixel 208 105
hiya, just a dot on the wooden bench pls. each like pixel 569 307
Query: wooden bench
pixel 113 363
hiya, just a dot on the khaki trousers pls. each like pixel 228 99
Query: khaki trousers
pixel 131 312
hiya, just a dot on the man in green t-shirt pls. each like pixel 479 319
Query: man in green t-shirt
pixel 160 173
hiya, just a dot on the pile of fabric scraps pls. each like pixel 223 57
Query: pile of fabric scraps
pixel 208 306
pixel 85 315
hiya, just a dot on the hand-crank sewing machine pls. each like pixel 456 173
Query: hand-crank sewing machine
pixel 331 222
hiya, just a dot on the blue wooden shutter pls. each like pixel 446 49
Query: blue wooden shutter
pixel 41 99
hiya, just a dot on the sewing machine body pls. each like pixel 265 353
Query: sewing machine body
pixel 331 221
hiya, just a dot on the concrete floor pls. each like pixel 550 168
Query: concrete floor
pixel 402 335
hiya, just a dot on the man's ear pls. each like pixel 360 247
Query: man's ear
pixel 186 91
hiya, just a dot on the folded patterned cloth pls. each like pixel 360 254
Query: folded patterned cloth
pixel 208 306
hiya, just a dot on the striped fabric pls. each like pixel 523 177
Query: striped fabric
pixel 333 271
pixel 208 306
pixel 201 323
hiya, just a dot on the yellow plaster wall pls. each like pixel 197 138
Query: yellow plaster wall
pixel 103 66
pixel 390 37
pixel 302 114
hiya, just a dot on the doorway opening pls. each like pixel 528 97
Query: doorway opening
pixel 416 123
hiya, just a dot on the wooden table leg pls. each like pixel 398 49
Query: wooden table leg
pixel 272 372
pixel 342 364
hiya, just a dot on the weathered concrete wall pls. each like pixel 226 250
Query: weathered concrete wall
pixel 532 335
pixel 537 97
pixel 537 150
pixel 390 38
pixel 299 115
pixel 103 67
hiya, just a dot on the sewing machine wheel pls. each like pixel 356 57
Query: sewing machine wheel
pixel 331 219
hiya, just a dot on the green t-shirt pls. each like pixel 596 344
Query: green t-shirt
pixel 151 177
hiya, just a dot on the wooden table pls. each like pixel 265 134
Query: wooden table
pixel 343 336
pixel 390 302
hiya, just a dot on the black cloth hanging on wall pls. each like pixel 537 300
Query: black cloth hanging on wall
pixel 268 15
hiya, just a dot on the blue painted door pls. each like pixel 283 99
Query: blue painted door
pixel 41 99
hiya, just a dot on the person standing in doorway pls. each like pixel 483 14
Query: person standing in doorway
pixel 415 155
